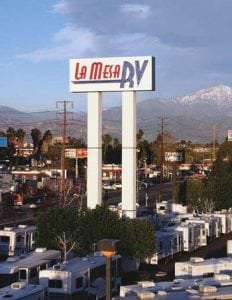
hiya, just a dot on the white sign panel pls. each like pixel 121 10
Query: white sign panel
pixel 112 74
pixel 174 156
pixel 70 153
pixel 229 135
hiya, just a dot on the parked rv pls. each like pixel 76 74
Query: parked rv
pixel 17 240
pixel 86 275
pixel 26 267
pixel 22 291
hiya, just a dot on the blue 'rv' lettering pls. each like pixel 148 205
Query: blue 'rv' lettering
pixel 128 72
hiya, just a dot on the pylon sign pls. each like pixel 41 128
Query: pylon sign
pixel 112 74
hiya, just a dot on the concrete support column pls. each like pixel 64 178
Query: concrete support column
pixel 94 141
pixel 129 154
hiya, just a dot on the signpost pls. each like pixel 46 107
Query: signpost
pixel 112 74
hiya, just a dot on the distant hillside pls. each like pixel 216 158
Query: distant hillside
pixel 191 117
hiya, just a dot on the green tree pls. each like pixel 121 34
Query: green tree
pixel 138 238
pixel 97 224
pixel 57 228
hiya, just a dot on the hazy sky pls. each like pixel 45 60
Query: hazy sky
pixel 191 40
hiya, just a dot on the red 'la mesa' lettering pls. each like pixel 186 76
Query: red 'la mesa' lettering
pixel 98 71
pixel 80 72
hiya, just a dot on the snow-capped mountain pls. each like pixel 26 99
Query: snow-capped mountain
pixel 220 95
pixel 190 117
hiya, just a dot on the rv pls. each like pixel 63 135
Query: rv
pixel 168 243
pixel 22 291
pixel 17 240
pixel 25 268
pixel 217 287
pixel 198 267
pixel 80 275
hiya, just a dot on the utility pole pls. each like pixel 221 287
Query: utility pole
pixel 64 138
pixel 214 143
pixel 161 160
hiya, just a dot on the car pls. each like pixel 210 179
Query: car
pixel 118 185
pixel 107 186
pixel 33 205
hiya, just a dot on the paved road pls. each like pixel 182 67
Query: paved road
pixel 114 197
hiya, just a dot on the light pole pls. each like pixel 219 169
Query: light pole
pixel 108 248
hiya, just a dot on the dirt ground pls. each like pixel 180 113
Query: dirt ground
pixel 217 248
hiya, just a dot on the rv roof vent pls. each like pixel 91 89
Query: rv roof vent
pixel 12 259
pixel 196 259
pixel 207 289
pixel 145 295
pixel 22 226
pixel 85 258
pixel 97 254
pixel 8 228
pixel 162 293
pixel 18 285
pixel 146 284
pixel 58 267
pixel 40 250
pixel 221 276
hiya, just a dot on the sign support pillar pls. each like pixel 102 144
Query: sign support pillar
pixel 94 141
pixel 129 154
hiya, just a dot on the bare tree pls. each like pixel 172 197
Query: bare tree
pixel 66 244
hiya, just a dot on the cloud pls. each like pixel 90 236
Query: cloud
pixel 68 42
pixel 136 10
pixel 190 39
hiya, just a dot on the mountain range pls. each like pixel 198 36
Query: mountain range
pixel 191 117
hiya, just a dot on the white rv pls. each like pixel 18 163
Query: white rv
pixel 197 267
pixel 168 243
pixel 17 240
pixel 217 287
pixel 86 275
pixel 26 267
pixel 191 235
pixel 22 291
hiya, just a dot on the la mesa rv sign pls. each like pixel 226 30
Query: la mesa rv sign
pixel 112 74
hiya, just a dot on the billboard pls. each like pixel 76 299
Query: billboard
pixel 229 135
pixel 112 74
pixel 76 153
pixel 3 141
pixel 177 156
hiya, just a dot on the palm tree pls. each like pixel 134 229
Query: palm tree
pixel 37 144
pixel 11 135
pixel 20 134
pixel 107 139
pixel 47 138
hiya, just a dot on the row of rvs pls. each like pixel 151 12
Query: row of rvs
pixel 79 275
pixel 216 288
pixel 187 231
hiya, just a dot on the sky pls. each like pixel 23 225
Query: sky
pixel 190 39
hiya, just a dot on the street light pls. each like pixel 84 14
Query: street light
pixel 108 248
